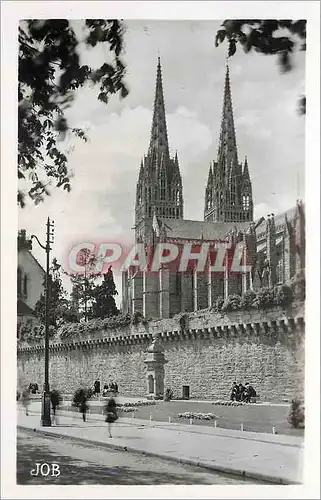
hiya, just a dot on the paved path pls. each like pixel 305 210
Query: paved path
pixel 274 458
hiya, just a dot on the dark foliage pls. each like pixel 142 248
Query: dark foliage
pixel 50 72
pixel 247 299
pixel 283 295
pixel 219 304
pixel 95 325
pixel 137 318
pixel 168 395
pixel 269 37
pixel 81 397
pixel 264 299
pixel 296 416
pixel 104 304
pixel 58 303
pixel 83 285
pixel 232 303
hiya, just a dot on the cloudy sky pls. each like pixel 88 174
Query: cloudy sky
pixel 268 130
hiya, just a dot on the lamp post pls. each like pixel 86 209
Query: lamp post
pixel 45 409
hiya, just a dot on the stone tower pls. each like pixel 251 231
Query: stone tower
pixel 228 195
pixel 159 188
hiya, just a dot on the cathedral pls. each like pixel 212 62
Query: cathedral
pixel 275 246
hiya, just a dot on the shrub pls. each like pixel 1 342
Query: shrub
pixel 296 417
pixel 219 304
pixel 232 303
pixel 137 318
pixel 264 299
pixel 24 331
pixel 247 299
pixel 94 325
pixel 52 331
pixel 283 295
pixel 81 396
pixel 168 395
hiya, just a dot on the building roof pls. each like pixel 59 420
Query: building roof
pixel 29 252
pixel 25 245
pixel 279 221
pixel 37 262
pixel 23 309
pixel 198 230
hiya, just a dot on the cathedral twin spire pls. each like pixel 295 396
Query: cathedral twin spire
pixel 159 188
pixel 158 137
pixel 228 195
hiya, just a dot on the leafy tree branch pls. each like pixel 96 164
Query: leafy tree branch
pixel 50 73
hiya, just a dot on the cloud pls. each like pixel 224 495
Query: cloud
pixel 268 131
pixel 100 205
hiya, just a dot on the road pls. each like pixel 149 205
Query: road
pixel 91 465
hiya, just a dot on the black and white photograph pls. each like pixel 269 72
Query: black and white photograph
pixel 161 281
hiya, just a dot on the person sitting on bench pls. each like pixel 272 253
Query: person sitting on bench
pixel 249 393
pixel 234 391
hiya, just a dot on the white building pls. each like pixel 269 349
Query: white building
pixel 30 280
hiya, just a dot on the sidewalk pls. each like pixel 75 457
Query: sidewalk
pixel 273 458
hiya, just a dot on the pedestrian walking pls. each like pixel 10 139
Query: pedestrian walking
pixel 97 388
pixel 83 407
pixel 111 412
pixel 25 400
pixel 80 401
pixel 55 399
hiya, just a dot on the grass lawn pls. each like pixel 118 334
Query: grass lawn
pixel 255 418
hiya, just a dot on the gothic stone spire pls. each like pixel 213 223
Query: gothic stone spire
pixel 158 138
pixel 159 186
pixel 227 150
pixel 231 198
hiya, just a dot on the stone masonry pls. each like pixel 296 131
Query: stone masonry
pixel 204 350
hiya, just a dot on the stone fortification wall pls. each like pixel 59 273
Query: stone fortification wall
pixel 206 351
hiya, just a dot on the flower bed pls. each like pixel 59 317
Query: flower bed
pixel 138 403
pixel 197 416
pixel 126 409
pixel 229 403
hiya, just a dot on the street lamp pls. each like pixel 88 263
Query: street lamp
pixel 45 409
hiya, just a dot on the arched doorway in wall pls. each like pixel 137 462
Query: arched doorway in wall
pixel 150 384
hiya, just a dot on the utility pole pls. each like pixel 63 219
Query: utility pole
pixel 45 409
